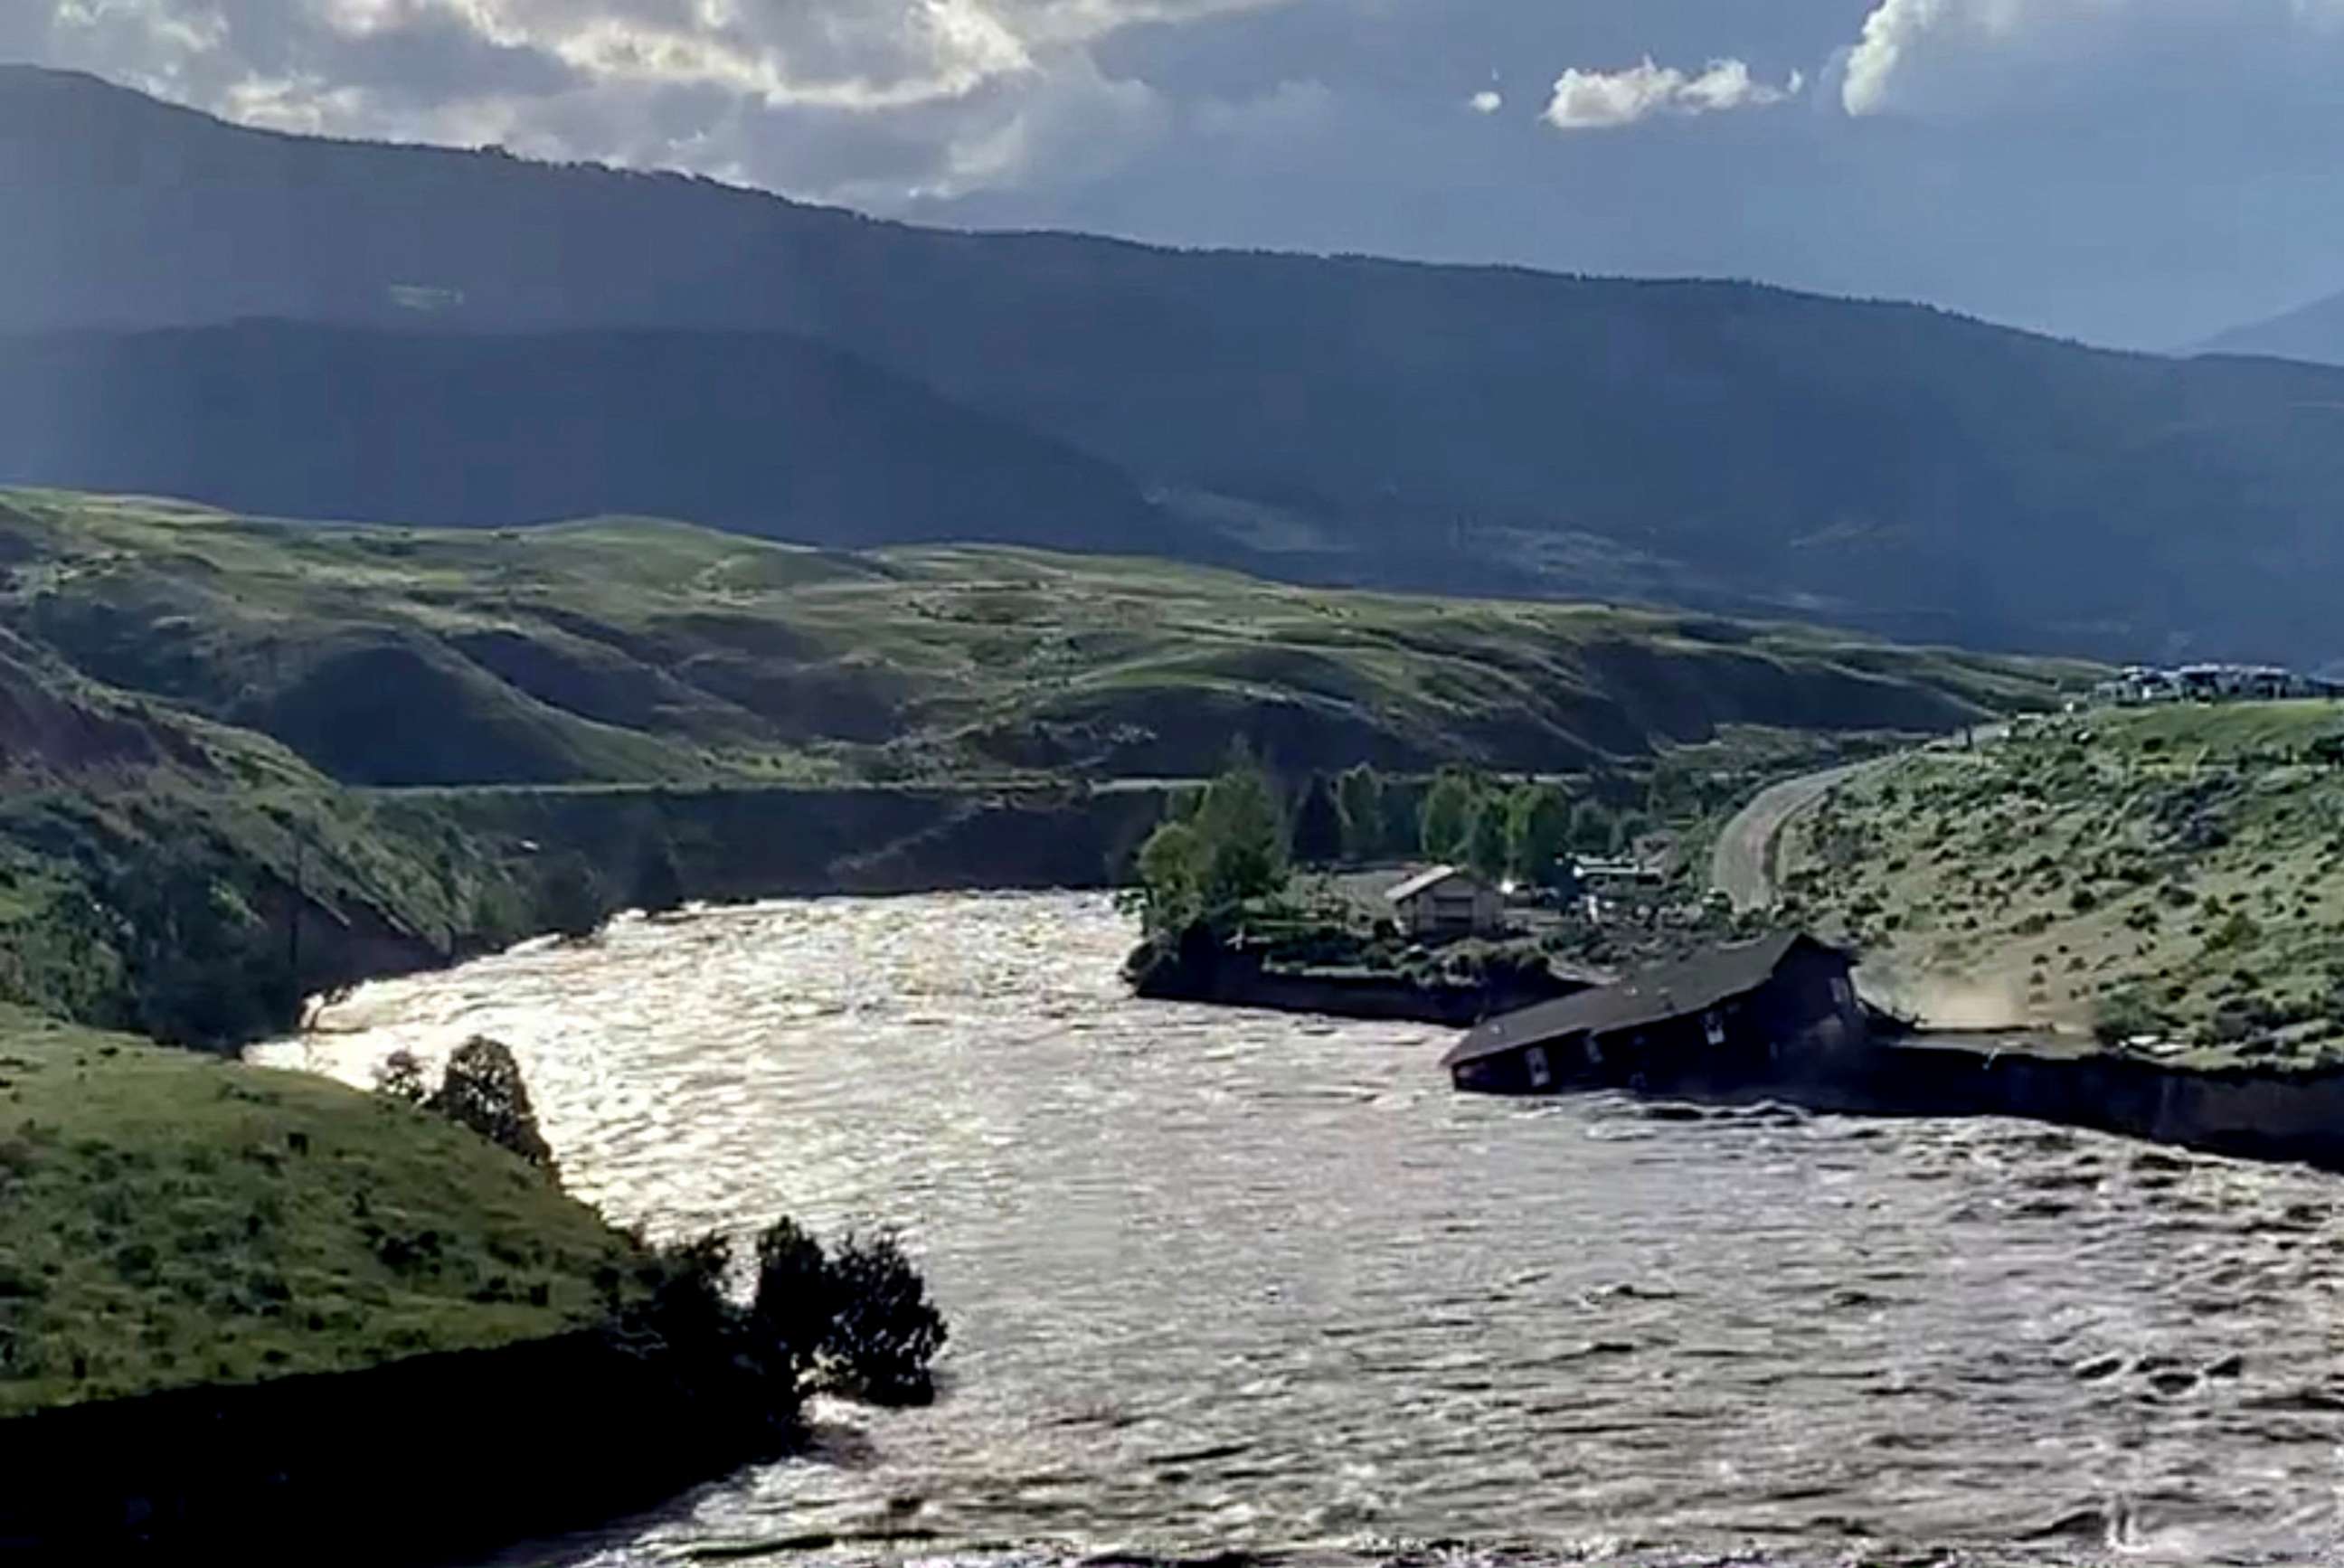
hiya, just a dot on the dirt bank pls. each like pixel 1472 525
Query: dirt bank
pixel 414 1460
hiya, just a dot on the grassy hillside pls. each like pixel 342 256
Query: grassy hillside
pixel 621 651
pixel 1348 419
pixel 174 1219
pixel 2174 874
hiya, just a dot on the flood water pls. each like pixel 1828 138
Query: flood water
pixel 1223 1282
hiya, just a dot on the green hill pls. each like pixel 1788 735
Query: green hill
pixel 2171 873
pixel 634 650
pixel 177 1219
pixel 1342 419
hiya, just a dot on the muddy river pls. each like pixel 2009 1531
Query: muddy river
pixel 1230 1284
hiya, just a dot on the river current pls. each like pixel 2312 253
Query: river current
pixel 1234 1283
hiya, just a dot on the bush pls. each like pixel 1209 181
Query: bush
pixel 856 1321
pixel 481 1088
pixel 884 1331
pixel 792 1309
pixel 2239 930
pixel 2122 1015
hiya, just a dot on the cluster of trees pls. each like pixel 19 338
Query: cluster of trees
pixel 853 1320
pixel 1237 838
pixel 1523 831
pixel 1220 847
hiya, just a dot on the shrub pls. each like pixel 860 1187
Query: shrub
pixel 884 1331
pixel 2121 1015
pixel 791 1310
pixel 2239 930
pixel 481 1088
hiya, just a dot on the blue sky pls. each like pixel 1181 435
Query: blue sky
pixel 2139 172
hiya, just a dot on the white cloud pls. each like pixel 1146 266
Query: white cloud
pixel 1958 56
pixel 1605 100
pixel 869 100
pixel 1488 101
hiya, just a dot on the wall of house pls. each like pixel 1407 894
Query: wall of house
pixel 1454 908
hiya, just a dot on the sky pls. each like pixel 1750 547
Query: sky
pixel 2134 172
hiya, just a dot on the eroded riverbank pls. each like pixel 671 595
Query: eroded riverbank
pixel 1229 1281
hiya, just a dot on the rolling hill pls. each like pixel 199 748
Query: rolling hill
pixel 621 651
pixel 1339 421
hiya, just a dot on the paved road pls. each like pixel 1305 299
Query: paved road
pixel 1742 866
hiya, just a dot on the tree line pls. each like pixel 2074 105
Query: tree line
pixel 1238 837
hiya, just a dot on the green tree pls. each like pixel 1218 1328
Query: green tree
pixel 1359 797
pixel 1445 825
pixel 1537 832
pixel 482 1090
pixel 1171 867
pixel 1212 855
pixel 1590 827
pixel 1318 825
pixel 1242 832
pixel 1485 837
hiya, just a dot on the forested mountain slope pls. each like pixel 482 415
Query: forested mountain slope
pixel 1348 419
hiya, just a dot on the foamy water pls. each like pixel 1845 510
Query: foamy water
pixel 1234 1282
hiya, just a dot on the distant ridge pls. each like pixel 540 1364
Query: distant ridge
pixel 1328 420
pixel 2313 332
pixel 761 433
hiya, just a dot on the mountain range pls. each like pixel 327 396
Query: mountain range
pixel 2313 332
pixel 344 330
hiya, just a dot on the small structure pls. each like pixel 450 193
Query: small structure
pixel 2140 683
pixel 1725 1019
pixel 1447 901
pixel 1608 888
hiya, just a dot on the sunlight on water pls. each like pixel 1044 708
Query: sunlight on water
pixel 1228 1281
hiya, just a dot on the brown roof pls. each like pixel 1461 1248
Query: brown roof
pixel 1646 997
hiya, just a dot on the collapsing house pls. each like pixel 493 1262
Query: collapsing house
pixel 1732 1017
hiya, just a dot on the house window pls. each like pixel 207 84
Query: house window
pixel 1541 1074
pixel 1713 1027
